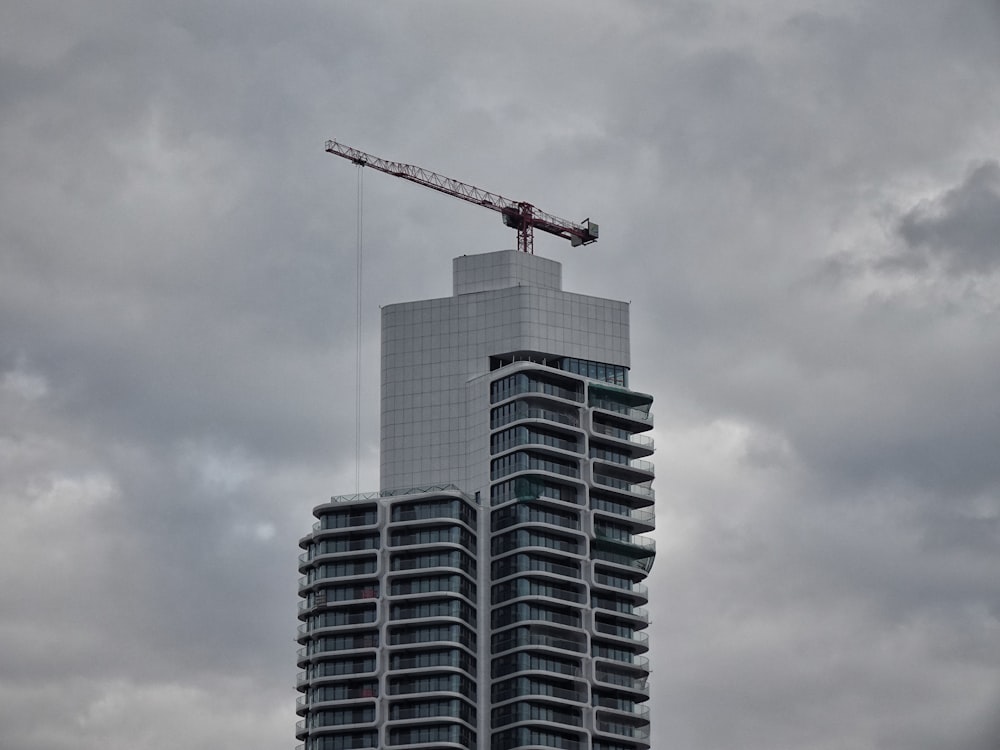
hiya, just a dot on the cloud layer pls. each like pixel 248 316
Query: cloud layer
pixel 802 207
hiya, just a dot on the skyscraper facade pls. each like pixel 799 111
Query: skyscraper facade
pixel 490 595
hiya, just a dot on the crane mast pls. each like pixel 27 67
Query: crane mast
pixel 522 216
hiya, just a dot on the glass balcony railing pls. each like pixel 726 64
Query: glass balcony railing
pixel 641 515
pixel 640 711
pixel 565 644
pixel 636 636
pixel 622 484
pixel 639 414
pixel 639 589
pixel 632 660
pixel 623 680
pixel 504 416
pixel 639 439
pixel 639 732
pixel 531 688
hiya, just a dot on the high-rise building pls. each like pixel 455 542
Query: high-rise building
pixel 490 595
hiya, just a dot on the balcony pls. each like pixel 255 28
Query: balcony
pixel 639 415
pixel 533 688
pixel 621 680
pixel 621 402
pixel 646 443
pixel 623 728
pixel 631 557
pixel 622 484
pixel 638 638
pixel 638 711
pixel 631 660
pixel 533 639
pixel 502 416
pixel 640 590
pixel 641 516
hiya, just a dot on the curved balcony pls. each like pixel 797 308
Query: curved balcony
pixel 553 638
pixel 624 485
pixel 634 728
pixel 619 585
pixel 636 443
pixel 538 687
pixel 534 563
pixel 635 683
pixel 621 513
pixel 528 381
pixel 631 660
pixel 528 410
pixel 635 638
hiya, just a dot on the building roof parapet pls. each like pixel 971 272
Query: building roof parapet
pixel 377 495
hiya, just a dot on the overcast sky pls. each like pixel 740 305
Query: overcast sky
pixel 800 199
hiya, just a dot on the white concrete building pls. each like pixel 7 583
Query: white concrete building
pixel 489 595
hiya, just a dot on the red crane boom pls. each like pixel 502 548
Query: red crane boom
pixel 522 216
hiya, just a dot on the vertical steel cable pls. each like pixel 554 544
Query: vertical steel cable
pixel 357 353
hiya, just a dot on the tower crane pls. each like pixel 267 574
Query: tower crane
pixel 522 216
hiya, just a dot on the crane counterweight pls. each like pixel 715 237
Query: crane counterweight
pixel 519 215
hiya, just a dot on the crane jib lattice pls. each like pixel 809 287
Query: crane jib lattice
pixel 519 215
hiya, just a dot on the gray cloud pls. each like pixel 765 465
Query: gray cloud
pixel 961 227
pixel 177 339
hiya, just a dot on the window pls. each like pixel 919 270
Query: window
pixel 343 741
pixel 523 686
pixel 433 608
pixel 341 617
pixel 523 435
pixel 347 519
pixel 521 382
pixel 344 642
pixel 523 563
pixel 339 667
pixel 524 736
pixel 343 691
pixel 529 513
pixel 532 409
pixel 451 707
pixel 449 657
pixel 531 487
pixel 528 711
pixel 454 583
pixel 338 717
pixel 529 538
pixel 436 559
pixel 455 633
pixel 530 461
pixel 525 661
pixel 433 733
pixel 596 370
pixel 350 543
pixel 520 587
pixel 610 454
pixel 446 683
pixel 342 569
pixel 529 611
pixel 436 508
pixel 434 535
pixel 326 594
pixel 538 636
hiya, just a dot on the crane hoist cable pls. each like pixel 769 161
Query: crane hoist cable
pixel 357 315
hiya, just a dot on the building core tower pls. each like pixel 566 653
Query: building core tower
pixel 489 596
